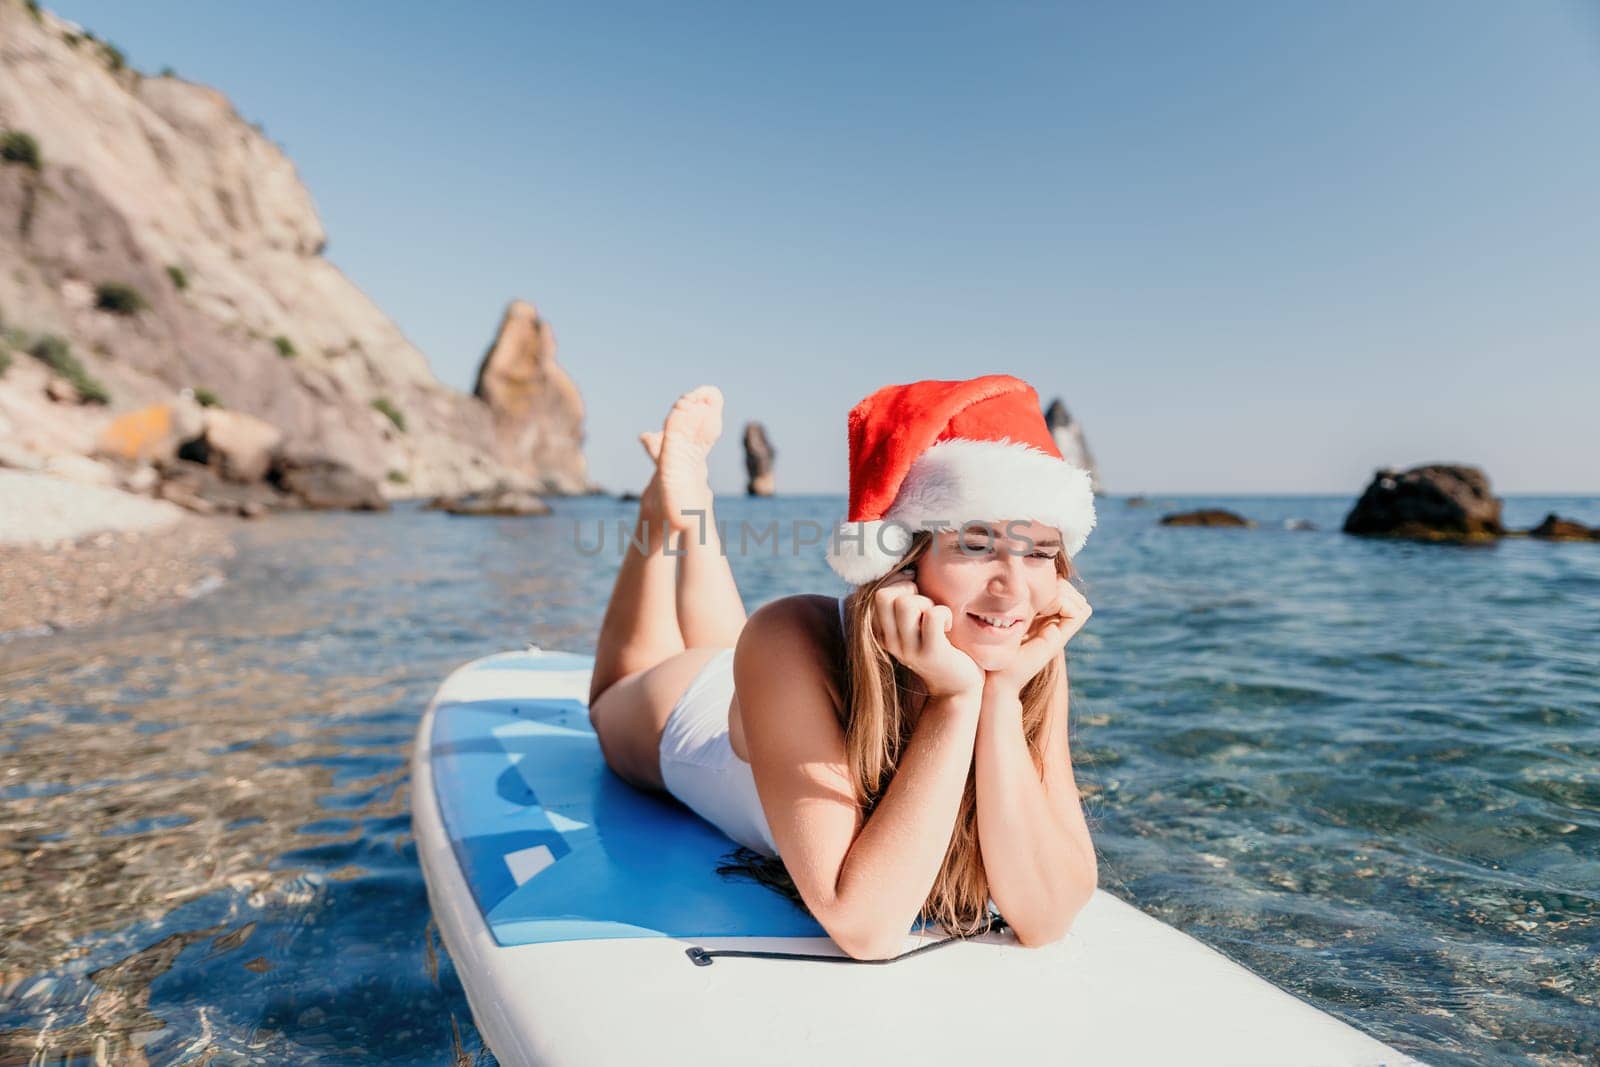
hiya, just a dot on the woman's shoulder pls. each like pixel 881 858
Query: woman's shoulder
pixel 813 617
pixel 801 609
pixel 800 632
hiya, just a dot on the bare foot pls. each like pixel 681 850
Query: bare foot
pixel 680 449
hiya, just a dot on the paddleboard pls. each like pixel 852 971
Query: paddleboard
pixel 588 926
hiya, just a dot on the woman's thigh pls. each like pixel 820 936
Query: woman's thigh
pixel 632 712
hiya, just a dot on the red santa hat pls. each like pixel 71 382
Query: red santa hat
pixel 938 454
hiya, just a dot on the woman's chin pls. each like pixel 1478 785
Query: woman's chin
pixel 992 657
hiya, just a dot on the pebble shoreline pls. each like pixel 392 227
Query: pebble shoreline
pixel 71 555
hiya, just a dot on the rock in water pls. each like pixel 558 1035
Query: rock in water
pixel 500 502
pixel 200 487
pixel 538 414
pixel 758 457
pixel 1436 502
pixel 1555 528
pixel 323 483
pixel 1206 517
pixel 1074 447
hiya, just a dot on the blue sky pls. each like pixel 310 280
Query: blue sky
pixel 1255 247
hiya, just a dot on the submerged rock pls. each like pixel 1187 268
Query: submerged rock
pixel 1555 528
pixel 1435 502
pixel 1206 517
pixel 500 502
pixel 758 458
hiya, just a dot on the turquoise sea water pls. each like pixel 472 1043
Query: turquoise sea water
pixel 1368 770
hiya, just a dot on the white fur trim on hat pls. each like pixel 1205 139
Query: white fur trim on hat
pixel 959 481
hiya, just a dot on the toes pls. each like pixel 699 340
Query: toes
pixel 704 394
pixel 651 440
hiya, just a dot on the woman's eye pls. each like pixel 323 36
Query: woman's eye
pixel 1044 555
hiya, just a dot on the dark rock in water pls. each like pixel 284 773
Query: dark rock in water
pixel 758 457
pixel 1299 524
pixel 500 502
pixel 327 484
pixel 1069 437
pixel 1555 528
pixel 627 495
pixel 1436 502
pixel 1206 517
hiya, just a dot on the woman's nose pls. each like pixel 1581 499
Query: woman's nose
pixel 1008 574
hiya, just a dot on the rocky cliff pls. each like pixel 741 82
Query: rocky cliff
pixel 172 246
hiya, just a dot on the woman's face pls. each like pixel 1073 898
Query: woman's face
pixel 1002 570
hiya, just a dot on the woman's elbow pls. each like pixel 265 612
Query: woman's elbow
pixel 865 944
pixel 1059 926
pixel 870 949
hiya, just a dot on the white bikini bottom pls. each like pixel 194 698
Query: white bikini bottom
pixel 698 763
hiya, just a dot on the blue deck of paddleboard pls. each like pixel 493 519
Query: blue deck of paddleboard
pixel 556 847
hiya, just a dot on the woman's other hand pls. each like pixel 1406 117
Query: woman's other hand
pixel 913 629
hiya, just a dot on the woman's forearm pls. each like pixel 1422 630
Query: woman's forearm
pixel 1039 873
pixel 891 866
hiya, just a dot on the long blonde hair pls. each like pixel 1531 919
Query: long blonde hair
pixel 874 715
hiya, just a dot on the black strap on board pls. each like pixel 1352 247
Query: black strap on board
pixel 704 957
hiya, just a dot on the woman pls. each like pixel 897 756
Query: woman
pixel 902 748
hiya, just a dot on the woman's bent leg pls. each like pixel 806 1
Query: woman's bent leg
pixel 640 627
pixel 640 672
pixel 710 610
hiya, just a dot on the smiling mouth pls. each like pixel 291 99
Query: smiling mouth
pixel 994 623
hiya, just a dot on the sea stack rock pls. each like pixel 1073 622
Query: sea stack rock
pixel 538 414
pixel 758 457
pixel 1068 433
pixel 1436 502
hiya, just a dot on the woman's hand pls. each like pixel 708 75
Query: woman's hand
pixel 913 629
pixel 1047 636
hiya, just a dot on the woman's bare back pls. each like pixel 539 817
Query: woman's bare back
pixel 819 616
